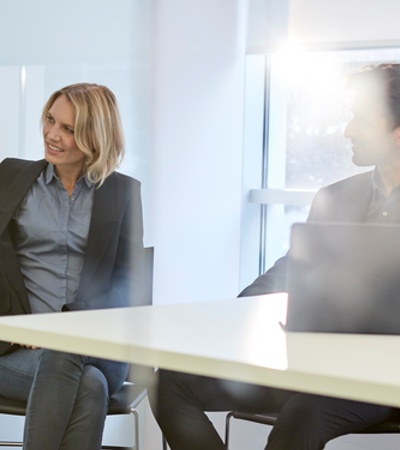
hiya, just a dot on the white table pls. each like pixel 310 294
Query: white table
pixel 238 339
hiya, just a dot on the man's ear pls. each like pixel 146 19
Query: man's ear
pixel 396 136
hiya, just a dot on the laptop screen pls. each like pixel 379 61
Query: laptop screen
pixel 344 278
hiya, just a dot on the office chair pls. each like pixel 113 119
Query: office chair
pixel 126 399
pixel 388 427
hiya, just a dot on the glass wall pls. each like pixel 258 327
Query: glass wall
pixel 49 46
pixel 27 87
pixel 45 45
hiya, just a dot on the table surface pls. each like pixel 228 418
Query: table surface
pixel 239 339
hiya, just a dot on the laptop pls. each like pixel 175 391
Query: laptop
pixel 344 278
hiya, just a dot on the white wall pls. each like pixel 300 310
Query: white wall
pixel 326 24
pixel 196 163
pixel 344 22
pixel 41 31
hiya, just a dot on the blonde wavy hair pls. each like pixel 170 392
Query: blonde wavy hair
pixel 97 130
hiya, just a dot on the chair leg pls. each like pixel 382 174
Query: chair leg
pixel 227 429
pixel 136 419
pixel 136 427
pixel 164 443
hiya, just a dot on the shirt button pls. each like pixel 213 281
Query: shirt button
pixel 384 213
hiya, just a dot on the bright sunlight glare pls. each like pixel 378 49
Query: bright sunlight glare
pixel 296 66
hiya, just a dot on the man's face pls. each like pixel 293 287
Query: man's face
pixel 373 140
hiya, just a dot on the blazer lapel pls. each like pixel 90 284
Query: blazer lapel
pixel 17 190
pixel 9 202
pixel 354 208
pixel 101 230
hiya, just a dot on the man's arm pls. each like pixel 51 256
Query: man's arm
pixel 323 208
pixel 274 280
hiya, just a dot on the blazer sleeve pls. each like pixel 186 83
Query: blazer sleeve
pixel 323 208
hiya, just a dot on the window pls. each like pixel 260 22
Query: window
pixel 305 110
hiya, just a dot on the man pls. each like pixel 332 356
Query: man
pixel 305 421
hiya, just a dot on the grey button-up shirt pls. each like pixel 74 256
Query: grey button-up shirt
pixel 383 208
pixel 51 236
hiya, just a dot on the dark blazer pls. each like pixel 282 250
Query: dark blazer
pixel 112 273
pixel 344 201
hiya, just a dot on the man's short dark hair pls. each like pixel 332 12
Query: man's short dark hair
pixel 382 83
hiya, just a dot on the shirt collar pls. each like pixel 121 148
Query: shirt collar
pixel 377 185
pixel 378 189
pixel 50 174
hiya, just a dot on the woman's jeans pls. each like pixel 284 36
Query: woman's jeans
pixel 67 396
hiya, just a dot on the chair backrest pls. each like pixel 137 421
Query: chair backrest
pixel 148 275
pixel 139 374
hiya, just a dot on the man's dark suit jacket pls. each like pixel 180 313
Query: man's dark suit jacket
pixel 112 273
pixel 344 201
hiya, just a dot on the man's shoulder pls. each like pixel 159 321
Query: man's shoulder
pixel 350 182
pixel 341 196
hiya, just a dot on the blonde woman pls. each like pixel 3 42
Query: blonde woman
pixel 71 238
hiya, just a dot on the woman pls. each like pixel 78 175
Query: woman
pixel 71 238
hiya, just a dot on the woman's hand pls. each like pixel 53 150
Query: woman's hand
pixel 30 347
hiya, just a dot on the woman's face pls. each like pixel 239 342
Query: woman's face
pixel 58 132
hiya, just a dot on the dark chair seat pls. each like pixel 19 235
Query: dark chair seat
pixel 128 396
pixel 14 407
pixel 125 401
pixel 387 427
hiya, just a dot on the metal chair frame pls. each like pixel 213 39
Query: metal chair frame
pixel 390 426
pixel 118 405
